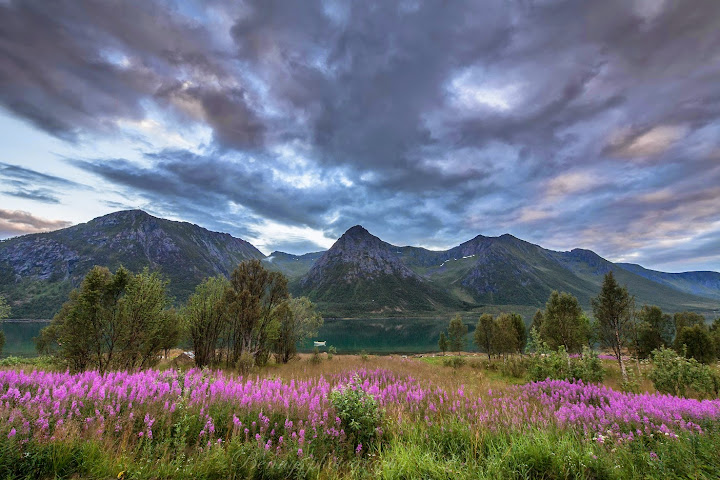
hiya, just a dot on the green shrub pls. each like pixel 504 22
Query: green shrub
pixel 680 376
pixel 316 359
pixel 558 365
pixel 359 413
pixel 331 352
pixel 245 363
pixel 454 362
pixel 514 367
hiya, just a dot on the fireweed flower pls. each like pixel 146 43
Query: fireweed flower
pixel 296 415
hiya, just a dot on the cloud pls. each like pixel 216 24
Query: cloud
pixel 26 183
pixel 429 122
pixel 651 142
pixel 17 222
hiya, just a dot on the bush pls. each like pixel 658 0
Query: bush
pixel 559 365
pixel 454 362
pixel 331 352
pixel 316 359
pixel 245 363
pixel 359 413
pixel 680 376
pixel 514 367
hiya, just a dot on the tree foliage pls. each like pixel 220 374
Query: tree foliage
pixel 485 333
pixel 655 329
pixel 563 323
pixel 115 320
pixel 687 319
pixel 205 319
pixel 695 342
pixel 612 309
pixel 506 340
pixel 298 320
pixel 251 303
pixel 680 376
pixel 443 343
pixel 456 334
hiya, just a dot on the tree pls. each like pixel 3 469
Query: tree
pixel 484 333
pixel 505 336
pixel 695 342
pixel 205 319
pixel 87 327
pixel 4 313
pixel 115 320
pixel 443 343
pixel 456 334
pixel 251 300
pixel 612 311
pixel 298 321
pixel 520 331
pixel 655 329
pixel 537 320
pixel 146 320
pixel 715 335
pixel 687 319
pixel 563 323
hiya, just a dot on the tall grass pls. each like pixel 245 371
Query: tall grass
pixel 438 422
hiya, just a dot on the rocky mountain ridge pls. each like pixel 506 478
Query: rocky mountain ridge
pixel 360 274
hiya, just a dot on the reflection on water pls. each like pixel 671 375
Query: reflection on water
pixel 385 335
pixel 19 337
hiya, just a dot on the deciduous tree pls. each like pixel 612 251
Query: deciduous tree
pixel 253 295
pixel 456 334
pixel 485 333
pixel 695 342
pixel 655 329
pixel 443 343
pixel 563 323
pixel 205 319
pixel 298 320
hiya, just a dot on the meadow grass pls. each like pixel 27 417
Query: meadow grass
pixel 470 421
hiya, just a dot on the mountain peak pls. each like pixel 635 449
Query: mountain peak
pixel 357 230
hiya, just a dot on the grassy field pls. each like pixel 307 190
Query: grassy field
pixel 469 420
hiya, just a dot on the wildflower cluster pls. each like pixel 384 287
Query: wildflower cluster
pixel 202 409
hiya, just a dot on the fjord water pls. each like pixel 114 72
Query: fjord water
pixel 383 335
pixel 19 337
pixel 373 335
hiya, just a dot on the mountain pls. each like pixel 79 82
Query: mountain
pixel 37 271
pixel 360 275
pixel 704 284
pixel 292 266
pixel 360 272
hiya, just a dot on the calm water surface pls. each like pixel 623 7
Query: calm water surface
pixel 373 335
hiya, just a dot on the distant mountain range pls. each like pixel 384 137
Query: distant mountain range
pixel 360 275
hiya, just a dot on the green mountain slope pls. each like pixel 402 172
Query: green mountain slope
pixel 38 271
pixel 292 266
pixel 704 284
pixel 361 273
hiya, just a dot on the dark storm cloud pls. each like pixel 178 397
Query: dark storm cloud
pixel 569 123
pixel 75 67
pixel 213 181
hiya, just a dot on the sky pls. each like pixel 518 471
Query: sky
pixel 570 124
